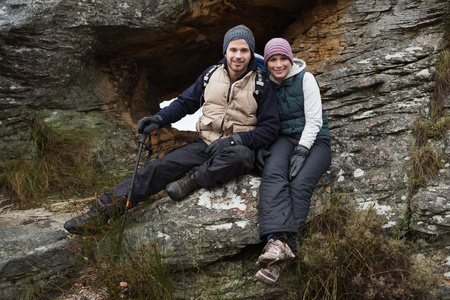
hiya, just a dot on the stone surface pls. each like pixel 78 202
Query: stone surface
pixel 431 212
pixel 118 58
pixel 374 62
pixel 204 228
pixel 34 249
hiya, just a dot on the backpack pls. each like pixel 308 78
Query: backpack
pixel 259 79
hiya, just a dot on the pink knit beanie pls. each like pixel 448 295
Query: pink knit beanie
pixel 278 46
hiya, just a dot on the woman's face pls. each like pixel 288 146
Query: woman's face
pixel 279 66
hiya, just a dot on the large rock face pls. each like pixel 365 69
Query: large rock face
pixel 204 228
pixel 374 62
pixel 105 64
pixel 34 249
pixel 120 58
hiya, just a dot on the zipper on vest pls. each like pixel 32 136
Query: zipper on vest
pixel 223 118
pixel 229 92
pixel 221 127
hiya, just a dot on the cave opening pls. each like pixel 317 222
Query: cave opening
pixel 148 66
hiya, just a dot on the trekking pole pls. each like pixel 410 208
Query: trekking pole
pixel 127 205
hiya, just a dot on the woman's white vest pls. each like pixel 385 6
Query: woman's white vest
pixel 228 108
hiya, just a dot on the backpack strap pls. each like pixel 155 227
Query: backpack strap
pixel 259 81
pixel 206 78
pixel 261 72
pixel 260 62
pixel 208 74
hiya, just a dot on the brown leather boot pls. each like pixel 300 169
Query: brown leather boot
pixel 177 190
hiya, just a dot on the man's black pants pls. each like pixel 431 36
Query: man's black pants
pixel 213 171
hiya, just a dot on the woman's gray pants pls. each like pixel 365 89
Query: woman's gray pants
pixel 284 205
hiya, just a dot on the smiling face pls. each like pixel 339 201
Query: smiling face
pixel 238 57
pixel 279 66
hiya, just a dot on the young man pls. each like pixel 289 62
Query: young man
pixel 234 123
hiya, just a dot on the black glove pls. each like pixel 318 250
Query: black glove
pixel 260 157
pixel 298 158
pixel 218 145
pixel 148 124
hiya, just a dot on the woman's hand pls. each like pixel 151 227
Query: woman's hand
pixel 297 160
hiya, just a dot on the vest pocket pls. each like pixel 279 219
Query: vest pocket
pixel 205 123
pixel 241 128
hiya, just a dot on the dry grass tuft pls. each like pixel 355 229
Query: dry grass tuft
pixel 344 255
pixel 64 162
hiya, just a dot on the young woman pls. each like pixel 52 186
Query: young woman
pixel 298 158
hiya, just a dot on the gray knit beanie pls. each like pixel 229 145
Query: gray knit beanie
pixel 242 32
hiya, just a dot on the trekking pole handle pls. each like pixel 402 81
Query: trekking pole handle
pixel 142 139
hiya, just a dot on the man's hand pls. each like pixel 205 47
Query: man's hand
pixel 149 124
pixel 218 145
pixel 260 159
pixel 298 158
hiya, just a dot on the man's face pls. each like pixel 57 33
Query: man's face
pixel 238 56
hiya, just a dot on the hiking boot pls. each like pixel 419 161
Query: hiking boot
pixel 177 190
pixel 271 274
pixel 275 252
pixel 79 224
pixel 98 215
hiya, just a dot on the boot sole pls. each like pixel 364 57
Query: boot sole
pixel 270 261
pixel 265 279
